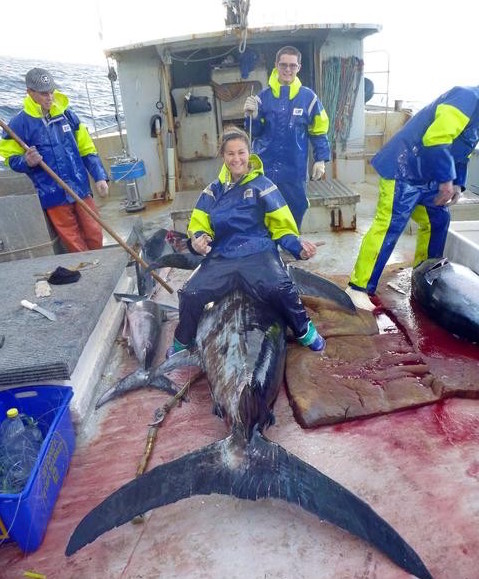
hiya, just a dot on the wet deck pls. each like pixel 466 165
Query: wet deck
pixel 419 469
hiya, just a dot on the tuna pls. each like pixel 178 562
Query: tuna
pixel 150 250
pixel 449 293
pixel 249 339
pixel 142 329
pixel 165 248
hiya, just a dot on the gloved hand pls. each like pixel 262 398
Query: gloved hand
pixel 457 195
pixel 251 107
pixel 32 157
pixel 102 188
pixel 318 171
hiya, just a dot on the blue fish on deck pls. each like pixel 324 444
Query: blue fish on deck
pixel 449 293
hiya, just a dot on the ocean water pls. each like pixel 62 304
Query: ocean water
pixel 87 86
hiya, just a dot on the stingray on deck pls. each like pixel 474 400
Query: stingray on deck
pixel 366 373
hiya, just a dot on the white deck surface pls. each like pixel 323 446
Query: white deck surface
pixel 419 469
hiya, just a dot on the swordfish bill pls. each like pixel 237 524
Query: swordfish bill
pixel 250 340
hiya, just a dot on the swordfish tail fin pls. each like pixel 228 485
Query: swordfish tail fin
pixel 260 469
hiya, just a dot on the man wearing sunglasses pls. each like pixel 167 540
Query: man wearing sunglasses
pixel 283 119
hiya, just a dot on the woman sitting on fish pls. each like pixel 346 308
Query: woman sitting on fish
pixel 237 223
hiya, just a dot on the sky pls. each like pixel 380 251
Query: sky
pixel 428 47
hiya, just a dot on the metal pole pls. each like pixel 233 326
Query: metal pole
pixel 113 77
pixel 91 108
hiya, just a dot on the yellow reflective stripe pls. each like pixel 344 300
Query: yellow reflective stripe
pixel 200 221
pixel 448 123
pixel 374 238
pixel 320 125
pixel 8 148
pixel 421 217
pixel 84 142
pixel 281 222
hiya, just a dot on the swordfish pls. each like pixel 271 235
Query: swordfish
pixel 241 346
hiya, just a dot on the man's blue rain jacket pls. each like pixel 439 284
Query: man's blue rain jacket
pixel 246 217
pixel 288 117
pixel 436 143
pixel 63 142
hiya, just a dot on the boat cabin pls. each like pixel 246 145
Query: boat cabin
pixel 178 94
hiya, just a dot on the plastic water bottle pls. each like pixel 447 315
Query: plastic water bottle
pixel 20 443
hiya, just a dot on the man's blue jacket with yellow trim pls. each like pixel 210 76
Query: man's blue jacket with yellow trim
pixel 289 116
pixel 436 143
pixel 63 142
pixel 246 217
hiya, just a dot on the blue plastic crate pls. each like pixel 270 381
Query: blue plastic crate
pixel 24 516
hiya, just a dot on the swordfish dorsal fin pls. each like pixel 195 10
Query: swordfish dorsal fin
pixel 265 470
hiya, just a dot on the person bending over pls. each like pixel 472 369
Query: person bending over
pixel 422 170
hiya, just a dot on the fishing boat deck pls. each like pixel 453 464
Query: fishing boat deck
pixel 418 468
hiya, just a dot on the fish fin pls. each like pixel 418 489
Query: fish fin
pixel 187 476
pixel 182 359
pixel 137 230
pixel 133 298
pixel 176 260
pixel 163 383
pixel 312 284
pixel 434 269
pixel 140 378
pixel 137 379
pixel 273 472
pixel 264 470
pixel 130 298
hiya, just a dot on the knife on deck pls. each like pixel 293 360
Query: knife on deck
pixel 37 308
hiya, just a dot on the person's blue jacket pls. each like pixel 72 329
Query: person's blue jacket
pixel 288 117
pixel 63 142
pixel 436 143
pixel 246 217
